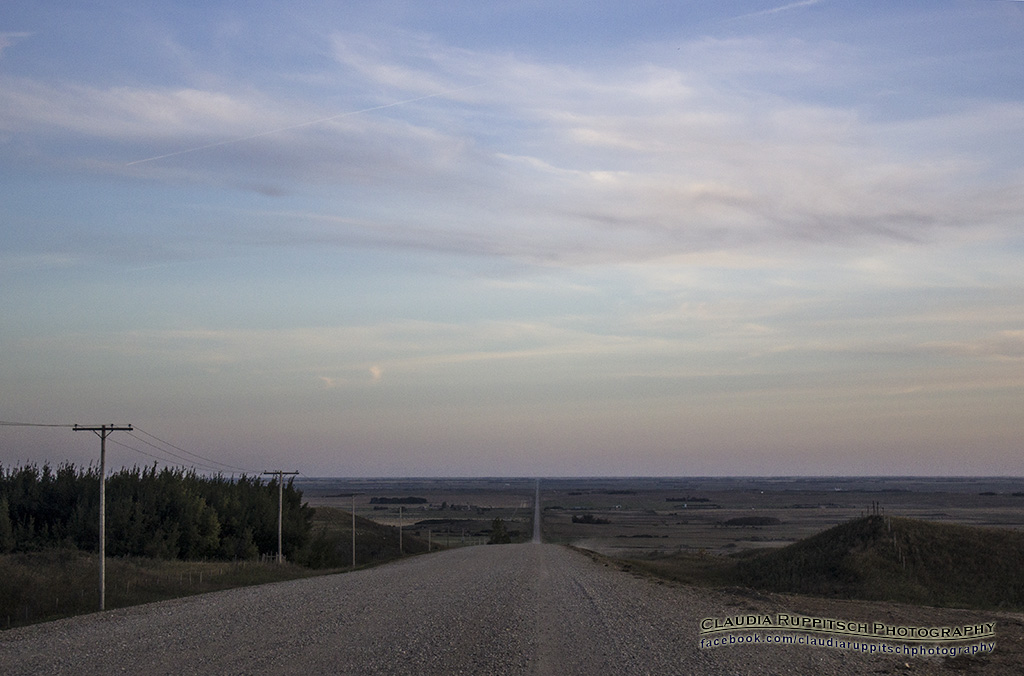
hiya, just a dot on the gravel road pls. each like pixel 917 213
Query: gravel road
pixel 511 609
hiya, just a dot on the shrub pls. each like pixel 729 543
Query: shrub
pixel 499 534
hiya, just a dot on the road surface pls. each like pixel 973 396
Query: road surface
pixel 503 609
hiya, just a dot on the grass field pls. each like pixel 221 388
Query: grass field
pixel 41 586
pixel 46 585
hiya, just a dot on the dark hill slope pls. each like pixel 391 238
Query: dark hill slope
pixel 897 559
pixel 331 544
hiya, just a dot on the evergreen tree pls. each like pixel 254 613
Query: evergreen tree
pixel 499 534
pixel 6 530
pixel 167 513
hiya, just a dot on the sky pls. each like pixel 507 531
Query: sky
pixel 416 238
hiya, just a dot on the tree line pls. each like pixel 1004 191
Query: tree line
pixel 166 513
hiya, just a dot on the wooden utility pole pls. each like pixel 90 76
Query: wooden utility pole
pixel 103 431
pixel 280 508
pixel 353 531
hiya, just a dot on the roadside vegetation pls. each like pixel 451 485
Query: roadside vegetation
pixel 49 584
pixel 331 544
pixel 163 514
pixel 170 533
pixel 499 534
pixel 873 558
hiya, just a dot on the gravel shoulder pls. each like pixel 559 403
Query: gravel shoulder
pixel 514 609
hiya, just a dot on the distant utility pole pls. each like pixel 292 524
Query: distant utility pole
pixel 103 431
pixel 353 531
pixel 280 508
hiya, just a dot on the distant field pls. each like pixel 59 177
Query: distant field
pixel 670 515
pixel 454 512
pixel 654 515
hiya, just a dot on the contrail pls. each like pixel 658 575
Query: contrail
pixel 783 8
pixel 300 125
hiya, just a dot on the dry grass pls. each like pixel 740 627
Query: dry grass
pixel 42 586
pixel 897 559
pixel 55 583
pixel 872 558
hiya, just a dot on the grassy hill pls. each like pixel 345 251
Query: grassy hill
pixel 883 558
pixel 331 545
pixel 875 558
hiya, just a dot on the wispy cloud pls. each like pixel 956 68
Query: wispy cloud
pixel 9 39
pixel 783 8
pixel 548 162
pixel 299 125
pixel 129 113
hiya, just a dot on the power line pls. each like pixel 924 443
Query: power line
pixel 192 465
pixel 187 452
pixel 7 423
pixel 204 462
pixel 140 452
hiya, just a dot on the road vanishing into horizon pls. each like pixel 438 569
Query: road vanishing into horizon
pixel 502 609
pixel 536 516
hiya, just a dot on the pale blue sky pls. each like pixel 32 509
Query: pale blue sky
pixel 530 238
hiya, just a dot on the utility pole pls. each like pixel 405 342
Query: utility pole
pixel 400 530
pixel 280 508
pixel 103 431
pixel 353 531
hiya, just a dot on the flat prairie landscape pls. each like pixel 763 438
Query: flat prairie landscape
pixel 638 517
